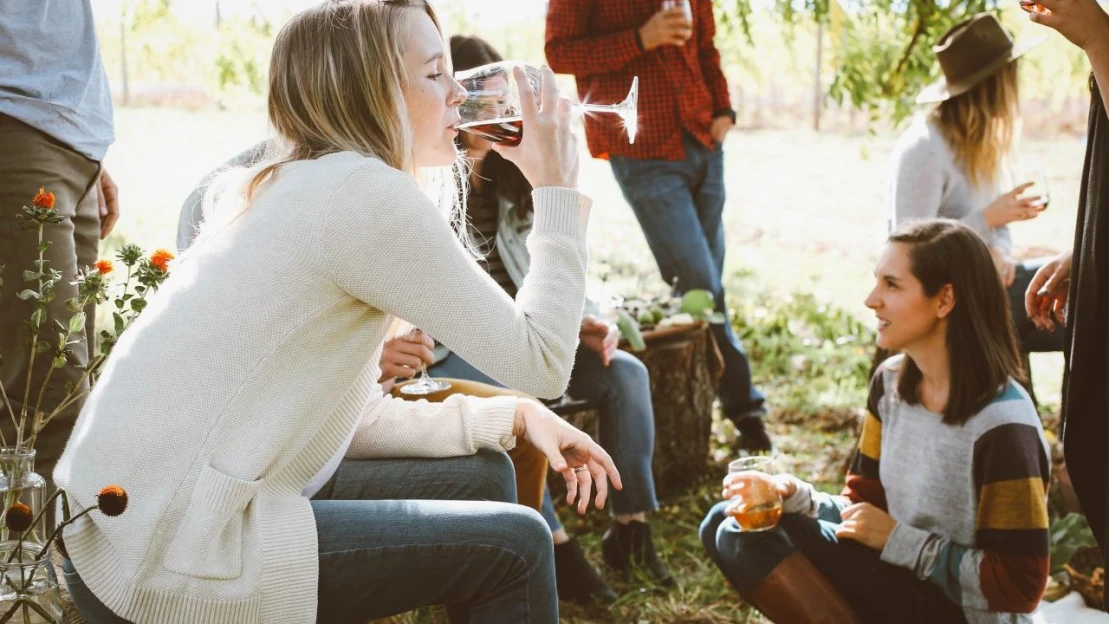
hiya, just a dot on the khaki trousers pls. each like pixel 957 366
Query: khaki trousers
pixel 30 159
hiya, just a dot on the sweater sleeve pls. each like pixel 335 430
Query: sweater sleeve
pixel 460 425
pixel 916 190
pixel 385 243
pixel 1008 566
pixel 864 484
pixel 571 49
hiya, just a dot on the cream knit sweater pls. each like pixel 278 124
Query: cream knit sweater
pixel 257 358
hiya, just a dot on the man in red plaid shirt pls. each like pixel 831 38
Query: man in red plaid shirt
pixel 673 175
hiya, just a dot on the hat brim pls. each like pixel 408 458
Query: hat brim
pixel 942 90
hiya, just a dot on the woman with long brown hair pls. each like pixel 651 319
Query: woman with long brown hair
pixel 242 411
pixel 943 517
pixel 955 162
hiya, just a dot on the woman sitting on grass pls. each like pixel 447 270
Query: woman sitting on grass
pixel 944 513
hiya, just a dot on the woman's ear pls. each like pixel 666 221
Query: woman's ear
pixel 945 301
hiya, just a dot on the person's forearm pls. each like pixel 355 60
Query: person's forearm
pixel 1099 59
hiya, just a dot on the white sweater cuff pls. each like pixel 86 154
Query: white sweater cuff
pixel 492 428
pixel 560 210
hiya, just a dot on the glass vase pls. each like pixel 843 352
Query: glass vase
pixel 19 483
pixel 29 591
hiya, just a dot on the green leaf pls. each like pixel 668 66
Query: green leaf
pixel 72 304
pixel 629 329
pixel 716 318
pixel 119 304
pixel 119 322
pixel 138 305
pixel 1068 535
pixel 42 347
pixel 77 323
pixel 38 317
pixel 43 246
pixel 60 361
pixel 28 294
pixel 30 276
pixel 696 301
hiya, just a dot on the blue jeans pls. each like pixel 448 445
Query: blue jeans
pixel 879 592
pixel 680 207
pixel 395 535
pixel 622 393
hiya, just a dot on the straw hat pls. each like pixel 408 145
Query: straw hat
pixel 971 52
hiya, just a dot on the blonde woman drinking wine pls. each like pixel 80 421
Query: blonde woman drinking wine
pixel 246 397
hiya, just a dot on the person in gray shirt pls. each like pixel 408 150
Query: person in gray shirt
pixel 954 161
pixel 55 127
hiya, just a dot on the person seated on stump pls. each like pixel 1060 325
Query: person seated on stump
pixel 944 514
pixel 499 212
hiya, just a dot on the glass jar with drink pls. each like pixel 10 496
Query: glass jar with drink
pixel 755 498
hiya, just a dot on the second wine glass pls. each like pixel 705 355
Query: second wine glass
pixel 492 106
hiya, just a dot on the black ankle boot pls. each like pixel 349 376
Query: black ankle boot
pixel 577 580
pixel 752 434
pixel 627 546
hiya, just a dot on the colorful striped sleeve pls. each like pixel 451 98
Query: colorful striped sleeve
pixel 1007 570
pixel 863 483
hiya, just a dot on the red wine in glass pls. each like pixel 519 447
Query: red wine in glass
pixel 508 130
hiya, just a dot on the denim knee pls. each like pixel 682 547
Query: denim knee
pixel 529 536
pixel 708 529
pixel 746 558
pixel 630 375
pixel 493 477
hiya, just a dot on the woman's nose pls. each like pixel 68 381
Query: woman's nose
pixel 458 95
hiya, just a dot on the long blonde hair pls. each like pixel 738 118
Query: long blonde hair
pixel 336 84
pixel 980 126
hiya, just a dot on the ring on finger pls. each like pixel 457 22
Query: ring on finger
pixel 580 469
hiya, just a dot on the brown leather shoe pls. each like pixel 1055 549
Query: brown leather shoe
pixel 795 592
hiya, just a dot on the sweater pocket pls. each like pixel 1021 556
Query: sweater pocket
pixel 209 542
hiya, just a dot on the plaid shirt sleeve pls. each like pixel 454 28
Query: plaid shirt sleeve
pixel 571 49
pixel 705 30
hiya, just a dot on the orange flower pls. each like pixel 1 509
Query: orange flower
pixel 18 517
pixel 104 266
pixel 44 199
pixel 160 259
pixel 112 500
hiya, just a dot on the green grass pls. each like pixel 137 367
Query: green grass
pixel 805 215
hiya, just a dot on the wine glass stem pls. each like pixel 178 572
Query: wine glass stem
pixel 598 108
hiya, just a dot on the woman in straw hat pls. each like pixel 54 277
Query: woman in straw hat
pixel 953 162
pixel 1075 277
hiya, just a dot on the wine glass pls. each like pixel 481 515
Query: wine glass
pixel 492 106
pixel 1039 190
pixel 424 385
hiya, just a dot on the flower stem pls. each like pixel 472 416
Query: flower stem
pixel 34 350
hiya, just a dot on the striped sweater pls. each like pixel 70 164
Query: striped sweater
pixel 970 501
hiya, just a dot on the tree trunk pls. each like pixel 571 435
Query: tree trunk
pixel 685 367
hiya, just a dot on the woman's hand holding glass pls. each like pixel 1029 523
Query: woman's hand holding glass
pixel 1014 206
pixel 575 455
pixel 548 154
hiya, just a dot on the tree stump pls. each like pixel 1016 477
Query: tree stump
pixel 685 367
